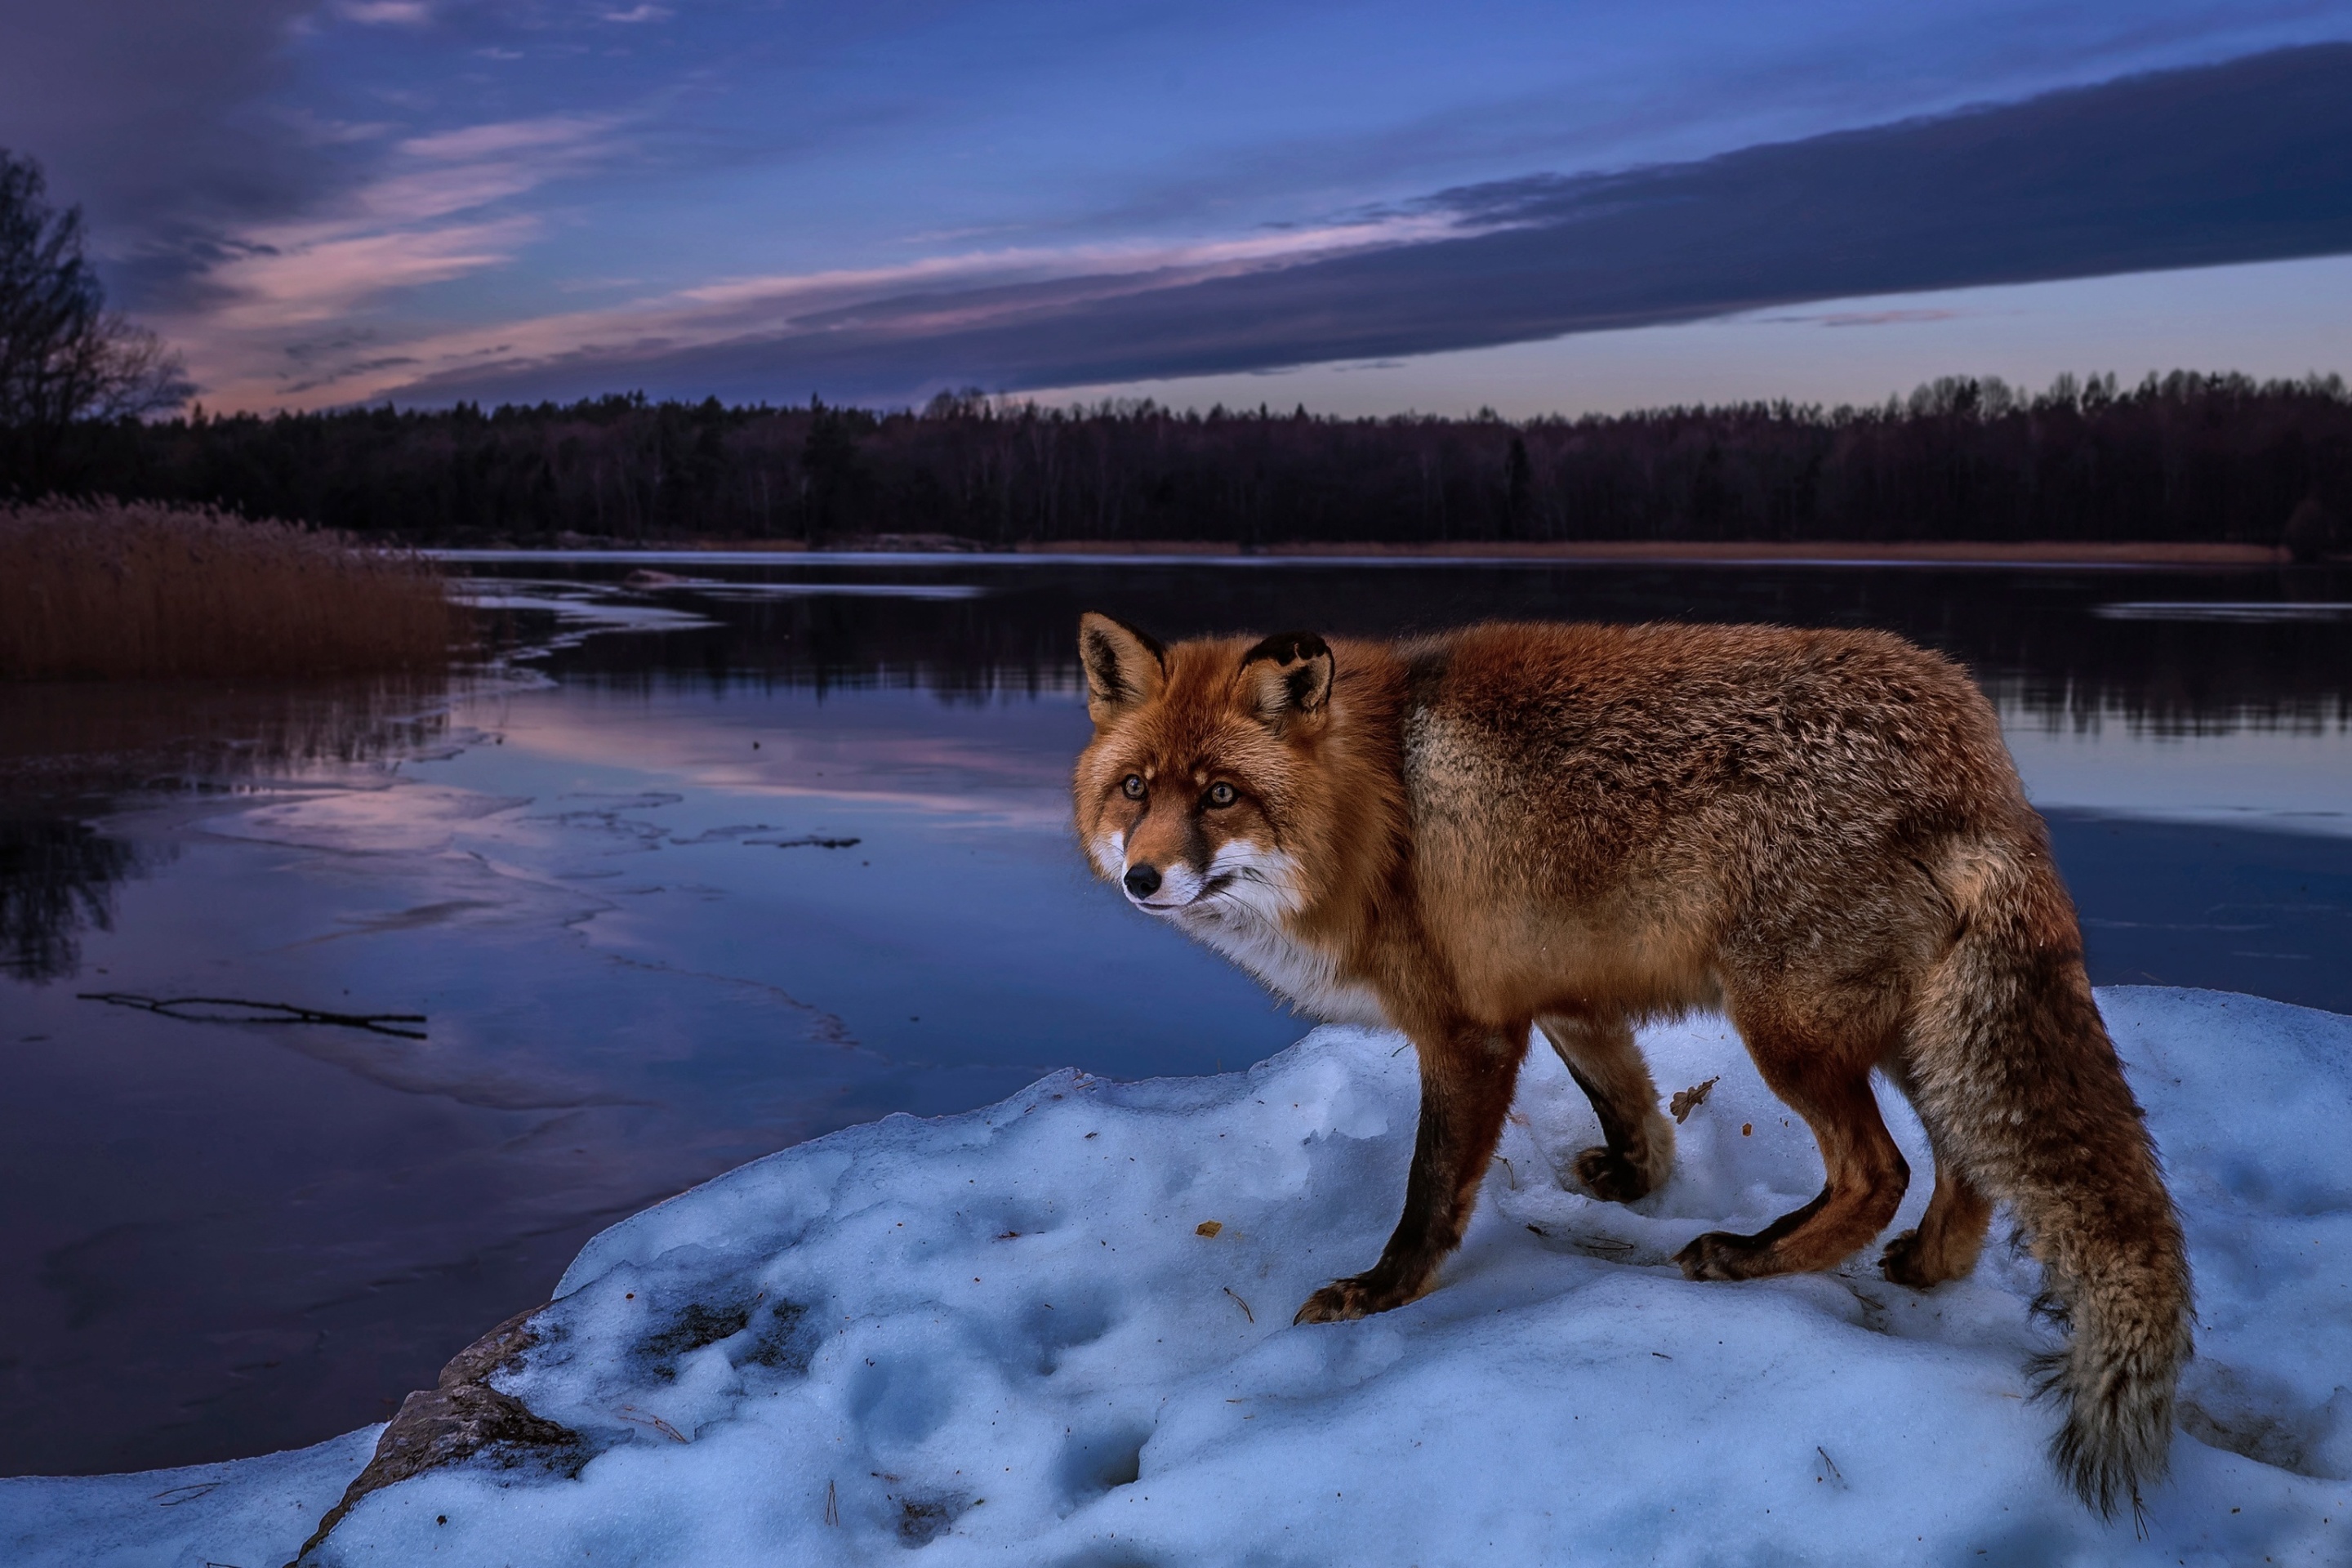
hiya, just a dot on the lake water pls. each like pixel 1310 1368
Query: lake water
pixel 717 866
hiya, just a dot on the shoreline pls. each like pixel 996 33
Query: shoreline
pixel 1706 552
pixel 1824 551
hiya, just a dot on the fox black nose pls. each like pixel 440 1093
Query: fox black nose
pixel 1142 881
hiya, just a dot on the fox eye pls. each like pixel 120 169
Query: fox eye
pixel 1221 793
pixel 1132 786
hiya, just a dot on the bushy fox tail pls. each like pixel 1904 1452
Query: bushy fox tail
pixel 2013 1067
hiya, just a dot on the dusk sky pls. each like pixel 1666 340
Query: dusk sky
pixel 1365 208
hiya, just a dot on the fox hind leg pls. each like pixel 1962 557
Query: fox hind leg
pixel 1867 1174
pixel 1952 1232
pixel 1637 1150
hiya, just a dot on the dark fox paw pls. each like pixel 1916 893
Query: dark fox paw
pixel 1908 1260
pixel 1357 1296
pixel 1719 1255
pixel 1611 1177
pixel 1902 1262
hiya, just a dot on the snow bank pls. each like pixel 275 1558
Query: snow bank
pixel 1058 1331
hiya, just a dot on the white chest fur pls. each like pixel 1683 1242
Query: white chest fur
pixel 1239 906
pixel 1306 977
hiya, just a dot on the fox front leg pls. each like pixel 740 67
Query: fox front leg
pixel 1468 1076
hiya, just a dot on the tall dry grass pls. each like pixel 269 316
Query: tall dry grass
pixel 111 589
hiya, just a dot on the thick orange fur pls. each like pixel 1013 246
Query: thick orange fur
pixel 1578 827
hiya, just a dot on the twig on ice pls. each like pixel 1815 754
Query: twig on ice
pixel 252 1012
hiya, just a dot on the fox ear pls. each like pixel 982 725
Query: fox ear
pixel 1288 676
pixel 1124 666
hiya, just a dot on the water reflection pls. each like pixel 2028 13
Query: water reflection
pixel 57 877
pixel 69 750
pixel 2050 634
pixel 63 741
pixel 726 864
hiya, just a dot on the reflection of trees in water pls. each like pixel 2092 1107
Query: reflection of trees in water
pixel 85 739
pixel 2036 638
pixel 71 750
pixel 56 879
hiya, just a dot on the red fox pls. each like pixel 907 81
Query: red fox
pixel 1576 828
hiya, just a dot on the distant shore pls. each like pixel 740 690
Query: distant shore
pixel 1599 552
pixel 2034 553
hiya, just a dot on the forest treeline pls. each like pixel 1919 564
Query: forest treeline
pixel 2180 458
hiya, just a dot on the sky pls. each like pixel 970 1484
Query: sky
pixel 1364 209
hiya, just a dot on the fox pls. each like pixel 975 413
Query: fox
pixel 1576 829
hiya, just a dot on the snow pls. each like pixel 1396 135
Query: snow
pixel 250 1513
pixel 1003 1337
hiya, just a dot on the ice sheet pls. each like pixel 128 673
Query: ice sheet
pixel 248 1512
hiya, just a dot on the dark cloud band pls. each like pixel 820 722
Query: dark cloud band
pixel 2240 161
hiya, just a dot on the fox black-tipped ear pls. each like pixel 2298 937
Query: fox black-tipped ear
pixel 1288 675
pixel 1124 666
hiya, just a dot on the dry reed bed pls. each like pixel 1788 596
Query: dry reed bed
pixel 112 589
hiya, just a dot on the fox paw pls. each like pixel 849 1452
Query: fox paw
pixel 1357 1296
pixel 1908 1261
pixel 1611 1177
pixel 1902 1262
pixel 1719 1255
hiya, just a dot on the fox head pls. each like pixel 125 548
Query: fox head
pixel 1199 792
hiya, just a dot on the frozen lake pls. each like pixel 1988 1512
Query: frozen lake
pixel 740 861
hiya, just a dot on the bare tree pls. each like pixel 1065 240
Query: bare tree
pixel 63 354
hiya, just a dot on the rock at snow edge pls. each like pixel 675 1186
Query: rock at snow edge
pixel 460 1417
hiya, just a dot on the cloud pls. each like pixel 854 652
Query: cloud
pixel 1893 318
pixel 564 132
pixel 459 171
pixel 185 133
pixel 323 273
pixel 141 110
pixel 318 274
pixel 425 220
pixel 385 13
pixel 2235 162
